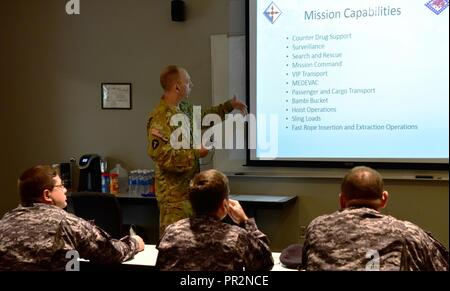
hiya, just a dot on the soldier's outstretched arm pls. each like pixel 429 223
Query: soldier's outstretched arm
pixel 220 109
pixel 227 107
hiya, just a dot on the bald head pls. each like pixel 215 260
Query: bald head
pixel 362 183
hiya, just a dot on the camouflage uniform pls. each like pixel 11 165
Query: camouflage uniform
pixel 37 238
pixel 204 243
pixel 365 239
pixel 173 168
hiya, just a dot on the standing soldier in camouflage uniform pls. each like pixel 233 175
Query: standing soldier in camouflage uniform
pixel 37 235
pixel 359 237
pixel 204 243
pixel 176 167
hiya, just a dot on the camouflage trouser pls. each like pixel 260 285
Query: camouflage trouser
pixel 172 212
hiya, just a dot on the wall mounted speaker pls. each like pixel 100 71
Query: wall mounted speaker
pixel 178 11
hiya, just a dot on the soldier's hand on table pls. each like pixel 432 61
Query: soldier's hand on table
pixel 140 241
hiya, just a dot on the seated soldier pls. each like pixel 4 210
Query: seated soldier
pixel 39 233
pixel 204 242
pixel 359 237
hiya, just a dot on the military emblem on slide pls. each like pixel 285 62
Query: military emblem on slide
pixel 437 6
pixel 272 12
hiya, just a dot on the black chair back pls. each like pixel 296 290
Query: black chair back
pixel 101 208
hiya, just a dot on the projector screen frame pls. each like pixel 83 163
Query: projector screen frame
pixel 413 165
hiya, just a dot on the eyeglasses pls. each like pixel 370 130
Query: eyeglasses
pixel 59 186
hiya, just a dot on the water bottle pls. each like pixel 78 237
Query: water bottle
pixel 140 183
pixel 105 183
pixel 145 183
pixel 136 183
pixel 152 190
pixel 131 183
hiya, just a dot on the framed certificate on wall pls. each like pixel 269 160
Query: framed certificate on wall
pixel 116 95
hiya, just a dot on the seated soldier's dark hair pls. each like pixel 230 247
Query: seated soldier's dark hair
pixel 207 190
pixel 34 181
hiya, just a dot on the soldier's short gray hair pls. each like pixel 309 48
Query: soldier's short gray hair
pixel 362 183
pixel 169 76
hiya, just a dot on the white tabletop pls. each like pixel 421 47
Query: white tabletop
pixel 145 258
pixel 148 258
pixel 277 265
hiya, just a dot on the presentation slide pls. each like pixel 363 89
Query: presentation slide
pixel 356 80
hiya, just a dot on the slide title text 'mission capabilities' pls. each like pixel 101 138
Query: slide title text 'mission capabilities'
pixel 350 13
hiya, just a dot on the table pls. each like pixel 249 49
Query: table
pixel 251 203
pixel 145 258
pixel 149 255
pixel 146 261
pixel 143 211
pixel 256 199
pixel 265 200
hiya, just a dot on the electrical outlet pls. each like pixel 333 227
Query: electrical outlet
pixel 302 231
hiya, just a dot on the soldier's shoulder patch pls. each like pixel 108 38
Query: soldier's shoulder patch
pixel 155 144
pixel 155 132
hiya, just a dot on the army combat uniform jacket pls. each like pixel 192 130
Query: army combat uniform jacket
pixel 37 238
pixel 365 239
pixel 204 243
pixel 174 168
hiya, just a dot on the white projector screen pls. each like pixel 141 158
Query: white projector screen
pixel 342 83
